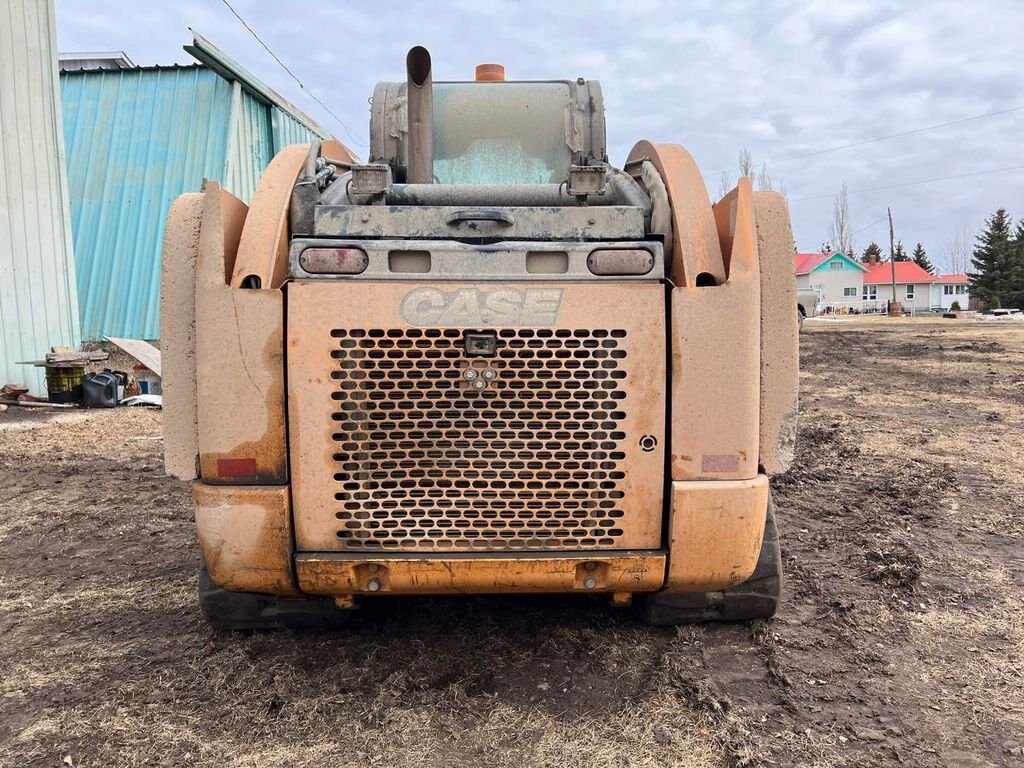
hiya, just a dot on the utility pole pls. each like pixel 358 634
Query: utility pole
pixel 892 266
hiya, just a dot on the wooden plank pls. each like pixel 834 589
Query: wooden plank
pixel 141 350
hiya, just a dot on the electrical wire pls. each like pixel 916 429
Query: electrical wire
pixel 911 132
pixel 886 137
pixel 869 226
pixel 292 74
pixel 912 183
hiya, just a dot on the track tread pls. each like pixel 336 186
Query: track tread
pixel 756 598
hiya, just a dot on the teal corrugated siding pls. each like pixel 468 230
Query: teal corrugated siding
pixel 136 139
pixel 251 148
pixel 287 130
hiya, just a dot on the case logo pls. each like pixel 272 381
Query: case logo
pixel 474 307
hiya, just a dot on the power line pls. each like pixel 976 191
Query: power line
pixel 913 183
pixel 895 135
pixel 869 226
pixel 911 132
pixel 292 74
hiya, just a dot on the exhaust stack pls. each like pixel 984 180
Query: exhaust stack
pixel 421 116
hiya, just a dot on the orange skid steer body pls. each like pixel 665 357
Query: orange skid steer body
pixel 483 361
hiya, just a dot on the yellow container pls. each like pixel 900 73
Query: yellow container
pixel 64 385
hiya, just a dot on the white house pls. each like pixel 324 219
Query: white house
pixel 913 284
pixel 845 284
pixel 915 288
pixel 837 277
pixel 949 288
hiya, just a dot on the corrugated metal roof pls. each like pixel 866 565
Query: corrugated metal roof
pixel 70 62
pixel 212 56
pixel 136 139
pixel 38 304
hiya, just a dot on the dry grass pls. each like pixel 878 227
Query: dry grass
pixel 900 641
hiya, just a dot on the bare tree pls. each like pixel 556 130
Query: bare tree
pixel 842 229
pixel 764 179
pixel 724 185
pixel 958 250
pixel 746 161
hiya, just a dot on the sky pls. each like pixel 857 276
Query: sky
pixel 777 78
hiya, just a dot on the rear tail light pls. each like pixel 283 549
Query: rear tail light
pixel 334 261
pixel 620 261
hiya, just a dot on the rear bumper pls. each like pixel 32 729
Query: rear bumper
pixel 471 573
pixel 714 537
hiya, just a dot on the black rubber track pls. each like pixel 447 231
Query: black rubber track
pixel 226 610
pixel 755 598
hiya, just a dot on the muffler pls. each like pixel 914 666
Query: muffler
pixel 420 94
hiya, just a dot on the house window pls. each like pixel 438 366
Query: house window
pixel 850 292
pixel 910 291
pixel 961 289
pixel 870 292
pixel 835 265
pixel 947 290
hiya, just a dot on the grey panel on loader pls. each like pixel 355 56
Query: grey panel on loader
pixel 178 336
pixel 780 346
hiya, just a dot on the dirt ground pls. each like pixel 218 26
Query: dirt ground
pixel 900 642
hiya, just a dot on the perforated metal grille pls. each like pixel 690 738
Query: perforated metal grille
pixel 435 450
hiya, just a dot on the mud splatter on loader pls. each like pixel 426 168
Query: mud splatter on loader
pixel 483 361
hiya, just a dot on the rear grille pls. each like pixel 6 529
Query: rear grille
pixel 425 459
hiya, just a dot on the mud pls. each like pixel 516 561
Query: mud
pixel 900 641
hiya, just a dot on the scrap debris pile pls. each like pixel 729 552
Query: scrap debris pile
pixel 74 379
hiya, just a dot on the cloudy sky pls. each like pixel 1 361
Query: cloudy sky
pixel 779 78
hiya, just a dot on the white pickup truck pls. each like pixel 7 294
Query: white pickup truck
pixel 806 304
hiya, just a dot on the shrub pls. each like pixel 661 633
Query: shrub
pixel 955 306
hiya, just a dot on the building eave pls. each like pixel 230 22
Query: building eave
pixel 213 57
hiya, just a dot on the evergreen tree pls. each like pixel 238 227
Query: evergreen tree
pixel 1015 271
pixel 872 250
pixel 900 254
pixel 992 260
pixel 921 259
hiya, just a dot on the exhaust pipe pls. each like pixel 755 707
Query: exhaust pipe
pixel 420 95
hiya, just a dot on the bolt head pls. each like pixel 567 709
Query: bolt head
pixel 469 374
pixel 373 585
pixel 590 582
pixel 489 373
pixel 479 383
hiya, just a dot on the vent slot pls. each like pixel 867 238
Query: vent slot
pixel 547 262
pixel 411 262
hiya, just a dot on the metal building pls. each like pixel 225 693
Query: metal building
pixel 136 139
pixel 38 304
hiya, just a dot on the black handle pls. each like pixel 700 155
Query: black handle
pixel 481 214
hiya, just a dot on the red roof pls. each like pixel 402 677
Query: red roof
pixel 808 262
pixel 951 279
pixel 906 272
pixel 805 262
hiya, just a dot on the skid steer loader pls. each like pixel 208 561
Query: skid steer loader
pixel 482 361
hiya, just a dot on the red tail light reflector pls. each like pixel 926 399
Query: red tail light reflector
pixel 334 261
